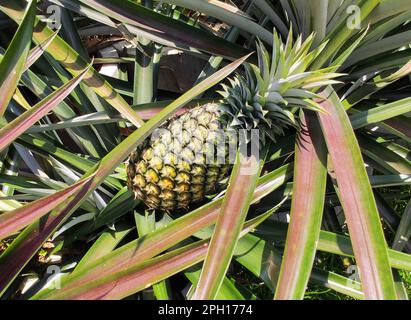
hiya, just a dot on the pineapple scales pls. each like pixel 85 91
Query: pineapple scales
pixel 182 164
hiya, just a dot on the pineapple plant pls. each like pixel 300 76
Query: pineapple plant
pixel 182 164
pixel 78 96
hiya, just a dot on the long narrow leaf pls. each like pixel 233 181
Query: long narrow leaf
pixel 12 65
pixel 381 113
pixel 38 50
pixel 310 176
pixel 15 128
pixel 12 221
pixel 358 202
pixel 155 24
pixel 63 53
pixel 341 33
pixel 30 240
pixel 403 233
pixel 332 243
pixel 229 223
pixel 234 19
pixel 174 232
pixel 137 275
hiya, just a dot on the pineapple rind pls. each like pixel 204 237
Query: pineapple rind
pixel 180 166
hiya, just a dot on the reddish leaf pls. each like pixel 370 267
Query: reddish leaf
pixel 357 199
pixel 310 177
pixel 13 221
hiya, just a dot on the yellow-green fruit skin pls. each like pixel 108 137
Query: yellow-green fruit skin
pixel 179 166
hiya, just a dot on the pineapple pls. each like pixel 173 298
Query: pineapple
pixel 178 167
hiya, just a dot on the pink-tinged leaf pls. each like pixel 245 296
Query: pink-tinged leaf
pixel 12 64
pixel 13 260
pixel 30 240
pixel 136 275
pixel 13 221
pixel 71 60
pixel 310 179
pixel 38 50
pixel 236 203
pixel 16 127
pixel 162 239
pixel 357 199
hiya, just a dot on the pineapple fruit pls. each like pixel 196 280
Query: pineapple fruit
pixel 180 165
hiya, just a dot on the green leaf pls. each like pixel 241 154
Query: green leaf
pixel 153 25
pixel 381 113
pixel 389 8
pixel 33 236
pixel 72 61
pixel 38 50
pixel 263 259
pixel 85 136
pixel 386 158
pixel 340 33
pixel 47 148
pixel 8 205
pixel 380 30
pixel 12 65
pixel 106 243
pixel 232 18
pixel 145 224
pixel 319 10
pixel 403 233
pixel 332 243
pixel 387 44
pixel 360 90
pixel 342 57
pixel 122 203
pixel 266 7
pixel 16 127
pixel 15 220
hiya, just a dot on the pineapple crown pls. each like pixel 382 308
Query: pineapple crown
pixel 269 94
